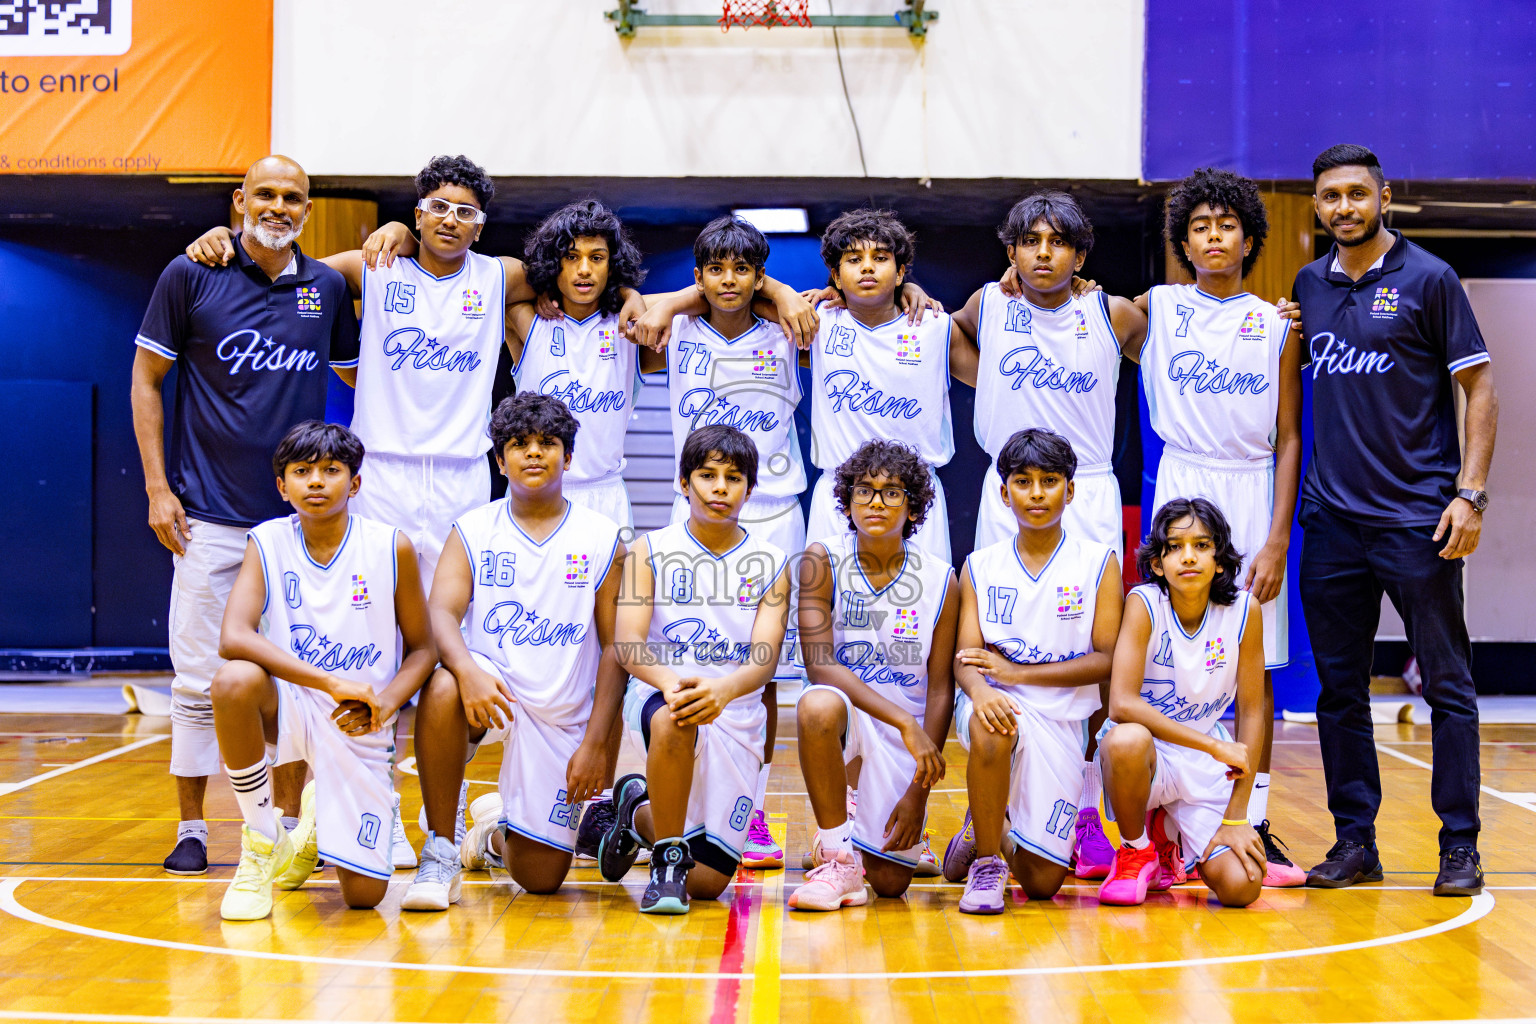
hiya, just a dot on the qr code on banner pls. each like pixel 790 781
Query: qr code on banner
pixel 65 28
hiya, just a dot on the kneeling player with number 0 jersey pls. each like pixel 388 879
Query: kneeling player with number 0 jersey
pixel 311 632
pixel 877 618
pixel 1038 615
pixel 701 618
pixel 533 578
pixel 1192 643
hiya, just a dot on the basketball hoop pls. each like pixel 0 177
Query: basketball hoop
pixel 767 13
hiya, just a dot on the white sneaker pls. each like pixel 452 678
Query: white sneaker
pixel 473 851
pixel 438 881
pixel 459 826
pixel 401 853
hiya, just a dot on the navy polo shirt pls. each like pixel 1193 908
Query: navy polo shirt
pixel 1383 349
pixel 253 357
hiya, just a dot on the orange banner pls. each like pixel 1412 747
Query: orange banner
pixel 134 86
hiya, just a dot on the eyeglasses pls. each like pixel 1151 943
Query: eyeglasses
pixel 890 497
pixel 462 212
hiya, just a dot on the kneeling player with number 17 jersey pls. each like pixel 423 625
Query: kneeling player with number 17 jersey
pixel 533 578
pixel 701 619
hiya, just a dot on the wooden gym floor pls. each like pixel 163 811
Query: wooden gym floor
pixel 92 929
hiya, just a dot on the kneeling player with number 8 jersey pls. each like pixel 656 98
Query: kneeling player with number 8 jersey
pixel 701 619
pixel 533 578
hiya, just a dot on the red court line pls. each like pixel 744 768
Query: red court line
pixel 733 955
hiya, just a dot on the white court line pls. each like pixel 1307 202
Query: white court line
pixel 1481 905
pixel 1513 798
pixel 11 787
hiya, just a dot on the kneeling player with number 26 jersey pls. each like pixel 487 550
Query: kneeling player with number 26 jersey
pixel 701 619
pixel 311 631
pixel 533 579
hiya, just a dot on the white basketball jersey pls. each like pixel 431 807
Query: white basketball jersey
pixel 338 617
pixel 531 610
pixel 592 368
pixel 1052 368
pixel 751 382
pixel 884 636
pixel 1037 619
pixel 890 381
pixel 704 604
pixel 1211 370
pixel 427 358
pixel 1192 678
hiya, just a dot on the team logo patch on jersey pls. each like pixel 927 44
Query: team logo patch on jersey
pixel 749 589
pixel 1082 325
pixel 360 592
pixel 1215 654
pixel 576 570
pixel 906 624
pixel 605 345
pixel 1069 602
pixel 765 364
pixel 308 299
pixel 474 305
pixel 908 352
pixel 1384 304
pixel 1253 328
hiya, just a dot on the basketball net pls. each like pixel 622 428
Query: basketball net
pixel 767 13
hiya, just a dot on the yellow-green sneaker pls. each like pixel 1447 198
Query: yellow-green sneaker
pixel 305 847
pixel 249 896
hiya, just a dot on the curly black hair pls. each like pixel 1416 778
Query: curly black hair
pixel 314 441
pixel 1222 190
pixel 545 249
pixel 455 170
pixel 881 227
pixel 1058 210
pixel 1224 586
pixel 530 414
pixel 894 459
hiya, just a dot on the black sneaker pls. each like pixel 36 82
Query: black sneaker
pixel 189 858
pixel 668 891
pixel 598 819
pixel 1461 873
pixel 1348 863
pixel 618 847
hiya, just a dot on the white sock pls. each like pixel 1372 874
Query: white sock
pixel 253 792
pixel 289 824
pixel 762 787
pixel 1258 800
pixel 606 794
pixel 194 828
pixel 1093 787
pixel 838 839
pixel 1141 842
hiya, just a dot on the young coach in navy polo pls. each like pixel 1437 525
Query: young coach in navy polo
pixel 253 344
pixel 1390 504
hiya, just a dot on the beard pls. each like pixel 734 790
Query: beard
pixel 269 239
pixel 1372 229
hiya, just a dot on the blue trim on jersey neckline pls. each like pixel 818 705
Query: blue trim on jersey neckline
pixel 1020 559
pixel 536 543
pixel 1234 298
pixel 304 546
pixel 859 323
pixel 412 261
pixel 744 537
pixel 906 560
pixel 581 323
pixel 757 322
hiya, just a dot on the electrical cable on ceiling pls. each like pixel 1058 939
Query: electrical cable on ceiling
pixel 857 135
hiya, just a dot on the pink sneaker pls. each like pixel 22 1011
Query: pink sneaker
pixel 1130 875
pixel 761 852
pixel 986 883
pixel 927 863
pixel 1091 851
pixel 837 883
pixel 1170 858
pixel 1279 872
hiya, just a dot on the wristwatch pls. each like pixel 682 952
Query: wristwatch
pixel 1477 499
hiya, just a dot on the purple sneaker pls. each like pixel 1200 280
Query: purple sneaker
pixel 985 886
pixel 1091 852
pixel 961 851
